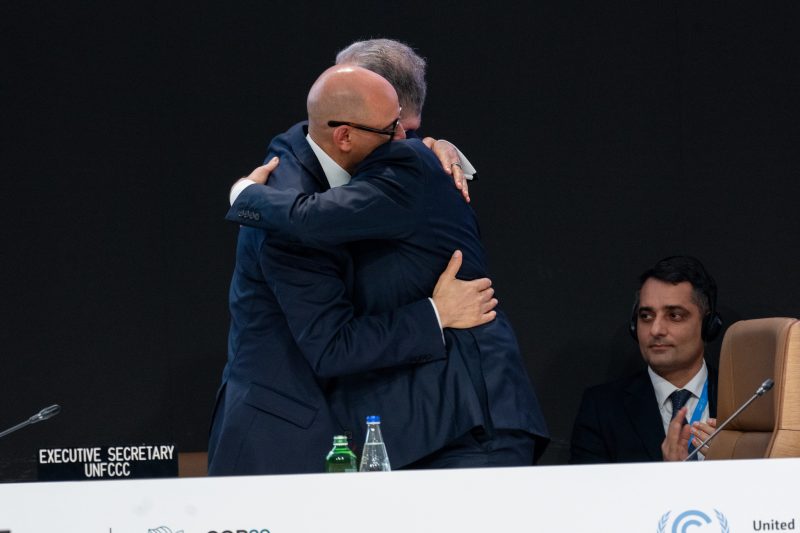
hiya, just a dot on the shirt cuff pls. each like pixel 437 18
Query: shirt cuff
pixel 466 166
pixel 238 187
pixel 438 318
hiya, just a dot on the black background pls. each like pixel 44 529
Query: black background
pixel 607 135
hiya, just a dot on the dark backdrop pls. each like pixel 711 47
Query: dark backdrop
pixel 607 134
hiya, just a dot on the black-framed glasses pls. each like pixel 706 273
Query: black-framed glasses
pixel 390 131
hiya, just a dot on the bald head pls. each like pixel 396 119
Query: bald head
pixel 349 93
pixel 352 94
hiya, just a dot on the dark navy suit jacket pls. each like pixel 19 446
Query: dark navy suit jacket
pixel 619 422
pixel 405 218
pixel 293 330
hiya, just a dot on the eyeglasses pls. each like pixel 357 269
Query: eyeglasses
pixel 390 131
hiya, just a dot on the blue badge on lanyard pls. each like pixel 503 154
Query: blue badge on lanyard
pixel 699 409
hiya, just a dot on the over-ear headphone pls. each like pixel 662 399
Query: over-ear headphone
pixel 676 269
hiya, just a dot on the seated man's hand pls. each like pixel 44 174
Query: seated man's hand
pixel 701 431
pixel 451 162
pixel 675 446
pixel 463 304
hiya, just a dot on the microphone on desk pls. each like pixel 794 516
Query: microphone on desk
pixel 767 385
pixel 44 414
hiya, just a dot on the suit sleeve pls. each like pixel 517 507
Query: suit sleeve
pixel 588 445
pixel 381 202
pixel 310 289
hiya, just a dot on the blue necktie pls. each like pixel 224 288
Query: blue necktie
pixel 679 399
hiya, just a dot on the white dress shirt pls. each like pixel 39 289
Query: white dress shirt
pixel 664 388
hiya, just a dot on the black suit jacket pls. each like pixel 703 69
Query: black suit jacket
pixel 405 218
pixel 619 422
pixel 294 330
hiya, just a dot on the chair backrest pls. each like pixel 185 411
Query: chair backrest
pixel 786 440
pixel 752 351
pixel 192 464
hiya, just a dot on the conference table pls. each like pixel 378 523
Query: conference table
pixel 695 497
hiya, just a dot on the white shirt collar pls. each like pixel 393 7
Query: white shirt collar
pixel 664 388
pixel 335 174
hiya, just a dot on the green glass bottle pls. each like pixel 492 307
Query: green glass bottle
pixel 341 458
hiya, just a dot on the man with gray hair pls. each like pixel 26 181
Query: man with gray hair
pixel 400 65
pixel 405 70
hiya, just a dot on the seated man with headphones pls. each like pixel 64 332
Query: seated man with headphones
pixel 651 415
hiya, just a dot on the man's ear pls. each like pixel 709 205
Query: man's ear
pixel 341 138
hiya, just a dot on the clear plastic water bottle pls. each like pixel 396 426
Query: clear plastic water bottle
pixel 374 457
pixel 341 458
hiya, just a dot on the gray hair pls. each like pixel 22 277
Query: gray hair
pixel 396 62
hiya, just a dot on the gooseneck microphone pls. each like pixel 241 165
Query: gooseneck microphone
pixel 44 414
pixel 767 385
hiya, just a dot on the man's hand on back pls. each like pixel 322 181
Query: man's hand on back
pixel 451 162
pixel 463 304
pixel 259 175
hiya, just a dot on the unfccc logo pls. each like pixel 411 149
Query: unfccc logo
pixel 242 531
pixel 691 520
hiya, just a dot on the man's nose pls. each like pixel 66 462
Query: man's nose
pixel 658 327
pixel 399 132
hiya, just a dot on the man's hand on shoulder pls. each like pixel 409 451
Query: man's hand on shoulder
pixel 259 175
pixel 451 162
pixel 463 304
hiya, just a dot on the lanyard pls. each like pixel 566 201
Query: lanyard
pixel 699 409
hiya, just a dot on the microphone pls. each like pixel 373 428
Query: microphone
pixel 767 385
pixel 44 414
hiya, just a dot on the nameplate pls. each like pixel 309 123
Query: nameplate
pixel 107 462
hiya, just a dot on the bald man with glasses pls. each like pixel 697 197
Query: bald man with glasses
pixel 401 217
pixel 294 331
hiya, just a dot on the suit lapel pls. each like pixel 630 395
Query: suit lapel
pixel 641 407
pixel 305 155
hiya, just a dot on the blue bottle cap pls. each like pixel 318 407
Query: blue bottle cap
pixel 373 418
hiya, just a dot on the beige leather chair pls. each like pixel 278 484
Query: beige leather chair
pixel 752 351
